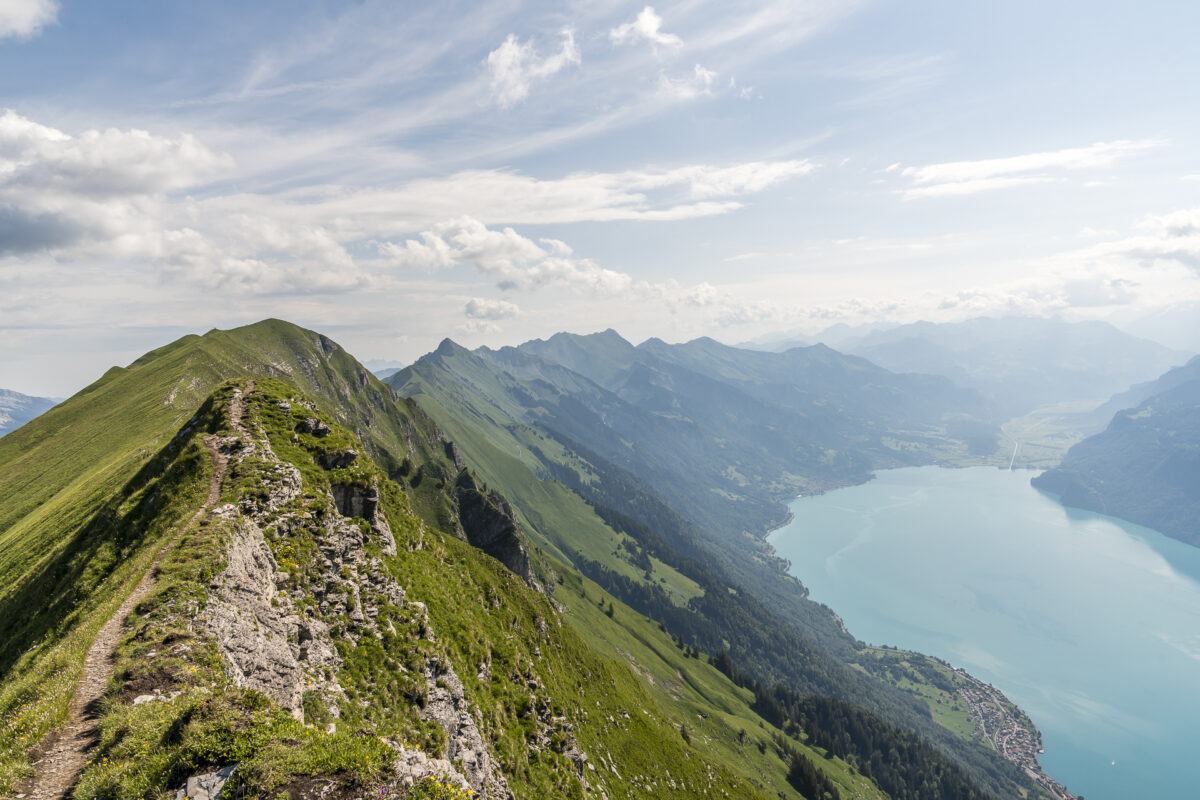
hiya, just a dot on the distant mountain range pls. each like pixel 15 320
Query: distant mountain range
pixel 691 451
pixel 729 434
pixel 16 409
pixel 1017 363
pixel 1145 466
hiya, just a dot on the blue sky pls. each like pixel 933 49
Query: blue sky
pixel 393 173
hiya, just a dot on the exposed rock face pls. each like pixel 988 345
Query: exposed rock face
pixel 447 705
pixel 207 786
pixel 490 524
pixel 353 500
pixel 453 454
pixel 339 459
pixel 269 646
pixel 414 766
pixel 314 426
pixel 265 643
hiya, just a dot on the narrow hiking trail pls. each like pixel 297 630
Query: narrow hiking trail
pixel 60 766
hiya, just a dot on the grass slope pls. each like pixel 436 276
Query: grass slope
pixel 127 470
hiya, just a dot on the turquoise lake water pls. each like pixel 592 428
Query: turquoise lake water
pixel 1089 623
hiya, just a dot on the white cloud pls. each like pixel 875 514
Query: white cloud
pixel 490 309
pixel 959 188
pixel 1185 222
pixel 116 196
pixel 126 197
pixel 515 261
pixel 970 177
pixel 741 92
pixel 518 263
pixel 746 256
pixel 499 196
pixel 100 187
pixel 22 18
pixel 699 83
pixel 96 163
pixel 647 26
pixel 514 66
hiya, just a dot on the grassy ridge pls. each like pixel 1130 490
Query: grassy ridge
pixel 644 735
pixel 579 658
pixel 537 669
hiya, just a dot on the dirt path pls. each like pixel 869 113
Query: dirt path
pixel 60 766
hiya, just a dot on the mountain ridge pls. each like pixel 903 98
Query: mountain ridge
pixel 292 632
pixel 155 480
pixel 526 416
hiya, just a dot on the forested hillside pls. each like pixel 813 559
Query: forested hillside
pixel 1145 466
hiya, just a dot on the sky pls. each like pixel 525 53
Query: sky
pixel 393 173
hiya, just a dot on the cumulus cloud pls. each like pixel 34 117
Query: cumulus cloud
pixel 1172 237
pixel 1176 224
pixel 516 262
pixel 971 177
pixel 129 197
pixel 482 308
pixel 58 190
pixel 118 195
pixel 515 65
pixel 24 18
pixel 648 27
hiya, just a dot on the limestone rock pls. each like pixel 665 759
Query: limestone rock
pixel 313 426
pixel 414 766
pixel 207 786
pixel 490 524
pixel 337 459
pixel 353 500
pixel 257 629
pixel 447 705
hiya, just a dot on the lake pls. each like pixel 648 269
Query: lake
pixel 1089 623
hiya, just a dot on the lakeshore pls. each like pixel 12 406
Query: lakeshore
pixel 1085 622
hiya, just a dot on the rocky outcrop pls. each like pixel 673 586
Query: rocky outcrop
pixel 354 500
pixel 270 646
pixel 489 523
pixel 265 643
pixel 414 766
pixel 313 427
pixel 447 705
pixel 337 459
pixel 207 786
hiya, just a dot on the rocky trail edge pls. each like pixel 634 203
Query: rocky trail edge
pixel 65 752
